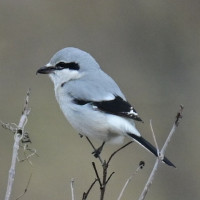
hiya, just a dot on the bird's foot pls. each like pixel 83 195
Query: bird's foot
pixel 98 151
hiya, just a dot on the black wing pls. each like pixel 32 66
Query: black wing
pixel 117 106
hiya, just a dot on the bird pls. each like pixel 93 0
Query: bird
pixel 92 101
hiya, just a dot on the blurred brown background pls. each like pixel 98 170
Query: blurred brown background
pixel 151 49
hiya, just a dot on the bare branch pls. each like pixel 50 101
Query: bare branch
pixel 154 138
pixel 72 188
pixel 118 151
pixel 96 172
pixel 12 127
pixel 105 165
pixel 105 180
pixel 26 189
pixel 161 154
pixel 32 152
pixel 19 133
pixel 141 165
pixel 175 125
pixel 109 177
pixel 150 180
pixel 179 115
pixel 85 194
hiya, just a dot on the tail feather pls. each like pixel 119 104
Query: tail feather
pixel 149 147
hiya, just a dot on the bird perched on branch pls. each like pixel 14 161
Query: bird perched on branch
pixel 91 100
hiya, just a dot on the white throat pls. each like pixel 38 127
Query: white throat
pixel 64 76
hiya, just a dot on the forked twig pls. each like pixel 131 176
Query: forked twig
pixel 105 165
pixel 161 153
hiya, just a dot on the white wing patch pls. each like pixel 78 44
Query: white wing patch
pixel 131 112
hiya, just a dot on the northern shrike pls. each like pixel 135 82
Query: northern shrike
pixel 91 100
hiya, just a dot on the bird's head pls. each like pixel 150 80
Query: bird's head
pixel 68 64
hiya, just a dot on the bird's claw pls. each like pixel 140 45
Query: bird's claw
pixel 98 151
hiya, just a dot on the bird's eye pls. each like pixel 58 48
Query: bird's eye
pixel 71 65
pixel 58 67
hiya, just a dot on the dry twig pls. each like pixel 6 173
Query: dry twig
pixel 18 136
pixel 105 178
pixel 141 165
pixel 72 188
pixel 26 189
pixel 160 153
pixel 105 164
pixel 85 194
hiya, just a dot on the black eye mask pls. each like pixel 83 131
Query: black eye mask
pixel 71 66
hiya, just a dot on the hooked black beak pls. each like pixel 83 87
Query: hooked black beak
pixel 45 70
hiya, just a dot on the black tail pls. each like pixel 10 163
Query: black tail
pixel 149 147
